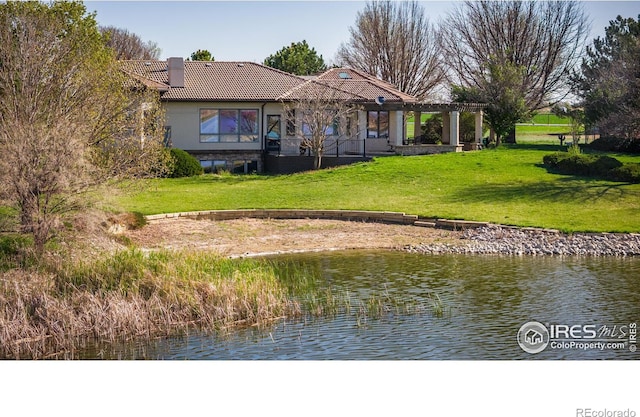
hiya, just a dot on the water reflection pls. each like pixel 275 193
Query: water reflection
pixel 490 297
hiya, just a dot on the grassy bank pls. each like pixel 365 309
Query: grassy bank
pixel 508 185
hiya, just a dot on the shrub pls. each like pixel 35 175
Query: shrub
pixel 184 165
pixel 629 172
pixel 601 166
pixel 551 160
pixel 576 164
pixel 604 164
pixel 611 144
pixel 432 130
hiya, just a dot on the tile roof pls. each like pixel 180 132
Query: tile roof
pixel 137 78
pixel 312 89
pixel 248 81
pixel 219 81
pixel 364 84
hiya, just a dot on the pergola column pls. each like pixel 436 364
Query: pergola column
pixel 398 127
pixel 362 130
pixel 454 132
pixel 479 126
pixel 417 126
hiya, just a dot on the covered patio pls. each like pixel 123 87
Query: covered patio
pixel 450 135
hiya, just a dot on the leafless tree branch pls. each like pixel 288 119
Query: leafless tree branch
pixel 395 42
pixel 544 38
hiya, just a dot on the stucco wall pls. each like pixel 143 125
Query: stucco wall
pixel 184 119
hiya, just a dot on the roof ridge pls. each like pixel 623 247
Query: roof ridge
pixel 146 80
pixel 294 89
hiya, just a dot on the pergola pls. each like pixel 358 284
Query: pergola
pixel 450 114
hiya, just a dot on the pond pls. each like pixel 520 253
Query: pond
pixel 588 305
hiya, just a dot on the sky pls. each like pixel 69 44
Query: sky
pixel 253 30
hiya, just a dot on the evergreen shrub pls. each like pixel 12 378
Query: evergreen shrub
pixel 184 164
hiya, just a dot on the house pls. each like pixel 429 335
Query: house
pixel 237 115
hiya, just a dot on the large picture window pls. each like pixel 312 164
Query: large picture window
pixel 228 125
pixel 378 124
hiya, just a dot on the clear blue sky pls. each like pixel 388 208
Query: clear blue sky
pixel 253 30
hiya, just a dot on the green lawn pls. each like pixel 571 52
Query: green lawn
pixel 506 186
pixel 549 119
pixel 553 131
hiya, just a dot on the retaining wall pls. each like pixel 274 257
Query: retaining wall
pixel 347 215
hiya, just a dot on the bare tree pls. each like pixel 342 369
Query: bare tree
pixel 395 41
pixel 544 39
pixel 128 45
pixel 65 106
pixel 319 112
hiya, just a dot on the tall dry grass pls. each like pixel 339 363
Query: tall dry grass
pixel 54 307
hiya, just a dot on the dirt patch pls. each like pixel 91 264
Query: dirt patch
pixel 243 237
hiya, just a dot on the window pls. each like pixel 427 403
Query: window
pixel 377 124
pixel 207 166
pixel 228 125
pixel 273 126
pixel 219 166
pixel 213 166
pixel 244 167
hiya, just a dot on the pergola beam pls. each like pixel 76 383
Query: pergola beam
pixel 426 107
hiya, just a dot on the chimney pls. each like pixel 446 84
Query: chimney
pixel 175 67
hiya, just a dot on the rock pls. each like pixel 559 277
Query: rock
pixel 528 241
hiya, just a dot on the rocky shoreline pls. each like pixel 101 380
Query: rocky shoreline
pixel 517 241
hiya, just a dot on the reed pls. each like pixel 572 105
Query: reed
pixel 50 310
pixel 316 298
